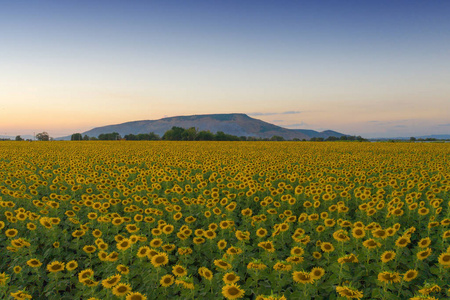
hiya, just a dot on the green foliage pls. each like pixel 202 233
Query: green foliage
pixel 76 137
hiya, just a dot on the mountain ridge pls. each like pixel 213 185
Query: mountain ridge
pixel 238 124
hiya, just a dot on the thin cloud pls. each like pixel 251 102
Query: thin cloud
pixel 297 124
pixel 290 112
pixel 448 124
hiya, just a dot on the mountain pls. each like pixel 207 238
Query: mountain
pixel 424 137
pixel 234 124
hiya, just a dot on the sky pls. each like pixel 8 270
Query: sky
pixel 370 68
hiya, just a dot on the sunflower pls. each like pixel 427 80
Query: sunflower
pixel 210 234
pixel 34 263
pixel 167 280
pixel 136 296
pixel 424 243
pixel 282 266
pixel 221 244
pixel 206 273
pixel 402 241
pixel 380 233
pixel 78 233
pixel 124 244
pixel 371 244
pixel 261 232
pixel 71 265
pixel 268 246
pixel 421 255
pixel 168 247
pixel 160 259
pixel 121 289
pixel 327 247
pixel 31 226
pixel 410 275
pixel 302 277
pixel 444 259
pixel 351 258
pixel 156 243
pixel 234 250
pixel 297 251
pixel 55 266
pixel 111 281
pixel 388 277
pixel 232 291
pixel 387 256
pixel 222 264
pixel 179 271
pixel 85 274
pixel 317 273
pixel 89 249
pixel 3 279
pixel 230 278
pixel 113 256
pixel 17 269
pixel 97 233
pixel 11 232
pixel 198 240
pixel 349 292
pixel 446 234
pixel 124 270
pixel 341 235
pixel 20 295
pixel 143 251
pixel 358 232
pixel 317 255
pixel 295 259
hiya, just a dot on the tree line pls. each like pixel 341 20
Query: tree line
pixel 192 134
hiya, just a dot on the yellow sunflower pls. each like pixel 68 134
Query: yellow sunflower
pixel 410 275
pixel 160 259
pixel 136 296
pixel 55 266
pixel 302 277
pixel 230 278
pixel 111 281
pixel 387 256
pixel 349 292
pixel 179 271
pixel 232 291
pixel 167 280
pixel 34 263
pixel 317 273
pixel 121 289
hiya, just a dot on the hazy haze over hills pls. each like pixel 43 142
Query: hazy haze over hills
pixel 234 124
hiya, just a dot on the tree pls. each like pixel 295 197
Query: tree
pixel 277 138
pixel 109 136
pixel 42 136
pixel 412 139
pixel 76 137
pixel 85 137
pixel 19 138
pixel 204 136
pixel 173 134
pixel 130 137
pixel 189 134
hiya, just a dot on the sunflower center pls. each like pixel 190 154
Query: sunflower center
pixel 233 291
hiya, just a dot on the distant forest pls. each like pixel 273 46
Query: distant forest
pixel 192 134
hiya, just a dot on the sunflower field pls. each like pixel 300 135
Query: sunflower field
pixel 224 220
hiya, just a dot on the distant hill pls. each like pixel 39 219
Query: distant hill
pixel 431 136
pixel 234 124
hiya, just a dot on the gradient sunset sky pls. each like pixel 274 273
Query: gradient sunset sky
pixel 369 68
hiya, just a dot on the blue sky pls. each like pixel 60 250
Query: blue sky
pixel 370 68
